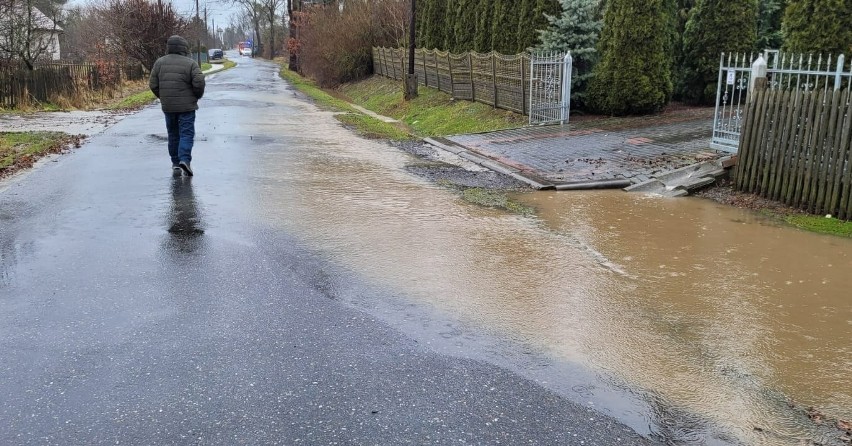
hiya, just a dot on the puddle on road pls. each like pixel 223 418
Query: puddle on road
pixel 72 122
pixel 714 316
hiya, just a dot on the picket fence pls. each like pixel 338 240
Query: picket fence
pixel 795 148
pixel 47 81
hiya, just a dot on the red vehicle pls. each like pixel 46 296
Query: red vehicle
pixel 245 48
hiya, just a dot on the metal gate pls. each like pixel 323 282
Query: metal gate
pixel 550 87
pixel 783 72
pixel 731 95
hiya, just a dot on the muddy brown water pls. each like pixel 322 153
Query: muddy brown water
pixel 715 315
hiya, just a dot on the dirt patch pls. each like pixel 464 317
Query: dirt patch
pixel 63 144
pixel 434 165
pixel 724 192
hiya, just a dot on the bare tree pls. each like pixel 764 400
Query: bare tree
pixel 26 34
pixel 253 11
pixel 270 10
pixel 137 28
pixel 294 10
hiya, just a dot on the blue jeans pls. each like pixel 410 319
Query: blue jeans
pixel 181 129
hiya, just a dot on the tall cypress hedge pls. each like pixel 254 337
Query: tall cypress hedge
pixel 482 36
pixel 714 26
pixel 504 27
pixel 818 26
pixel 634 75
pixel 463 25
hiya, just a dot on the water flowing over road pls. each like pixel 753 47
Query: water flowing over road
pixel 689 322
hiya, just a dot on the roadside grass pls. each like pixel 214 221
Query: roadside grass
pixel 22 149
pixel 495 199
pixel 433 112
pixel 206 66
pixel 370 127
pixel 820 224
pixel 364 125
pixel 134 101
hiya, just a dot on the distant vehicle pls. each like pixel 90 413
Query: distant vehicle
pixel 245 49
pixel 215 54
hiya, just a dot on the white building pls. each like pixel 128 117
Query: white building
pixel 44 39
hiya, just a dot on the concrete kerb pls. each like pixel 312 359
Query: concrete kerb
pixel 461 151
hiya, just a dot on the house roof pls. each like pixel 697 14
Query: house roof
pixel 40 20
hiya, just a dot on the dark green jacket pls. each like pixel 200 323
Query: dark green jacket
pixel 176 79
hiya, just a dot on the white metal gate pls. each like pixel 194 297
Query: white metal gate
pixel 783 72
pixel 550 87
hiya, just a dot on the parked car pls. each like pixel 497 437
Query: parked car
pixel 215 54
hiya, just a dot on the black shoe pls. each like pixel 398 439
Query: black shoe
pixel 184 165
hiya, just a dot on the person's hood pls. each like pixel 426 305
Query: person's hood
pixel 177 45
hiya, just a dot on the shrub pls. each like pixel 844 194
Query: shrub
pixel 818 26
pixel 336 46
pixel 634 72
pixel 577 30
pixel 714 26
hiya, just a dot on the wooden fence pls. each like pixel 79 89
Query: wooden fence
pixel 795 148
pixel 47 81
pixel 494 79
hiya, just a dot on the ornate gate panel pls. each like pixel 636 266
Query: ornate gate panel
pixel 550 88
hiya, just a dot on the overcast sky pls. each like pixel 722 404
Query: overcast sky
pixel 218 10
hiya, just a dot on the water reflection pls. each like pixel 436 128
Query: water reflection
pixel 184 219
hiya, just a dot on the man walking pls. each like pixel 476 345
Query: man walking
pixel 179 83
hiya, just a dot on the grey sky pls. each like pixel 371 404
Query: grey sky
pixel 218 10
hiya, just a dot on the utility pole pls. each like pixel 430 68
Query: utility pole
pixel 411 78
pixel 197 37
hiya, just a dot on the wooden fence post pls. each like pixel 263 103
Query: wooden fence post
pixel 425 70
pixel 472 83
pixel 494 75
pixel 523 88
pixel 437 70
pixel 450 69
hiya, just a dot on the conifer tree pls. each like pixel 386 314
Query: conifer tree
pixel 818 26
pixel 576 29
pixel 714 27
pixel 634 75
pixel 533 19
pixel 464 25
pixel 769 15
pixel 484 15
pixel 504 27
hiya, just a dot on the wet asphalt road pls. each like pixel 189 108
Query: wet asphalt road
pixel 138 308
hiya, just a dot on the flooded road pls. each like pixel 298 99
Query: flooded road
pixel 717 320
pixel 136 305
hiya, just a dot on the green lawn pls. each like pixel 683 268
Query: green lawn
pixel 22 148
pixel 433 112
pixel 364 125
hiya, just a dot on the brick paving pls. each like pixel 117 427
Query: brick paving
pixel 601 149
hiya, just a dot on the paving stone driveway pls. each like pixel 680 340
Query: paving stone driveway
pixel 602 149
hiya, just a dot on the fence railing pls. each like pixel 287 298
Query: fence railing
pixel 782 71
pixel 48 81
pixel 494 79
pixel 795 147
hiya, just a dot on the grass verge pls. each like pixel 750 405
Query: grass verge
pixel 21 149
pixel 364 125
pixel 822 225
pixel 433 112
pixel 134 101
